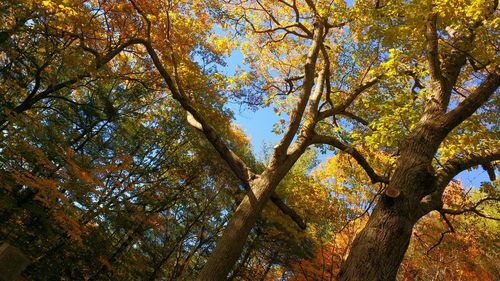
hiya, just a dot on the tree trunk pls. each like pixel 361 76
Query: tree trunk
pixel 230 245
pixel 379 248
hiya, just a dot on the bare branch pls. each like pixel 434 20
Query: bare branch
pixel 101 60
pixel 312 6
pixel 432 52
pixel 288 211
pixel 438 102
pixel 316 96
pixel 470 104
pixel 449 170
pixel 451 229
pixel 241 170
pixel 444 72
pixel 35 96
pixel 328 85
pixel 353 116
pixel 490 169
pixel 454 166
pixel 473 209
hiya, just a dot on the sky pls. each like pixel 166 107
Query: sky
pixel 258 126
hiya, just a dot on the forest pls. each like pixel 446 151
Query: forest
pixel 123 155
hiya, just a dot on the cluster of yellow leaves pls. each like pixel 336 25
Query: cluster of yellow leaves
pixel 390 128
pixel 473 136
pixel 345 179
pixel 222 44
pixel 62 13
pixel 60 8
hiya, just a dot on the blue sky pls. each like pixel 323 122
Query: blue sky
pixel 258 126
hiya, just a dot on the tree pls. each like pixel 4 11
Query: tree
pixel 443 246
pixel 407 79
pixel 90 169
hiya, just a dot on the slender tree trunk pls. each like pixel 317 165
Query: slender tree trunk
pixel 230 245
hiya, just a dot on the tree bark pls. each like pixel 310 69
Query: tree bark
pixel 230 245
pixel 379 248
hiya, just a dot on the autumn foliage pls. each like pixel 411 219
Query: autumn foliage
pixel 120 157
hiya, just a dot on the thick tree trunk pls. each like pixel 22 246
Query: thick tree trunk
pixel 379 248
pixel 230 245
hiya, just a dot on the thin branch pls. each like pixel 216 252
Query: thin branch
pixel 374 177
pixel 474 209
pixel 451 229
pixel 350 99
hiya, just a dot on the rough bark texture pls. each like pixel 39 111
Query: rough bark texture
pixel 379 249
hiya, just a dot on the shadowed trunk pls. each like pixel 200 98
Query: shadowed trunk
pixel 380 247
pixel 230 245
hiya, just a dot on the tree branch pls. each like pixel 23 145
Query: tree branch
pixel 288 211
pixel 473 209
pixel 353 116
pixel 451 229
pixel 437 104
pixel 101 60
pixel 454 166
pixel 240 169
pixel 347 102
pixel 490 169
pixel 432 52
pixel 316 96
pixel 298 111
pixel 194 119
pixel 444 74
pixel 449 170
pixel 321 139
pixel 470 104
